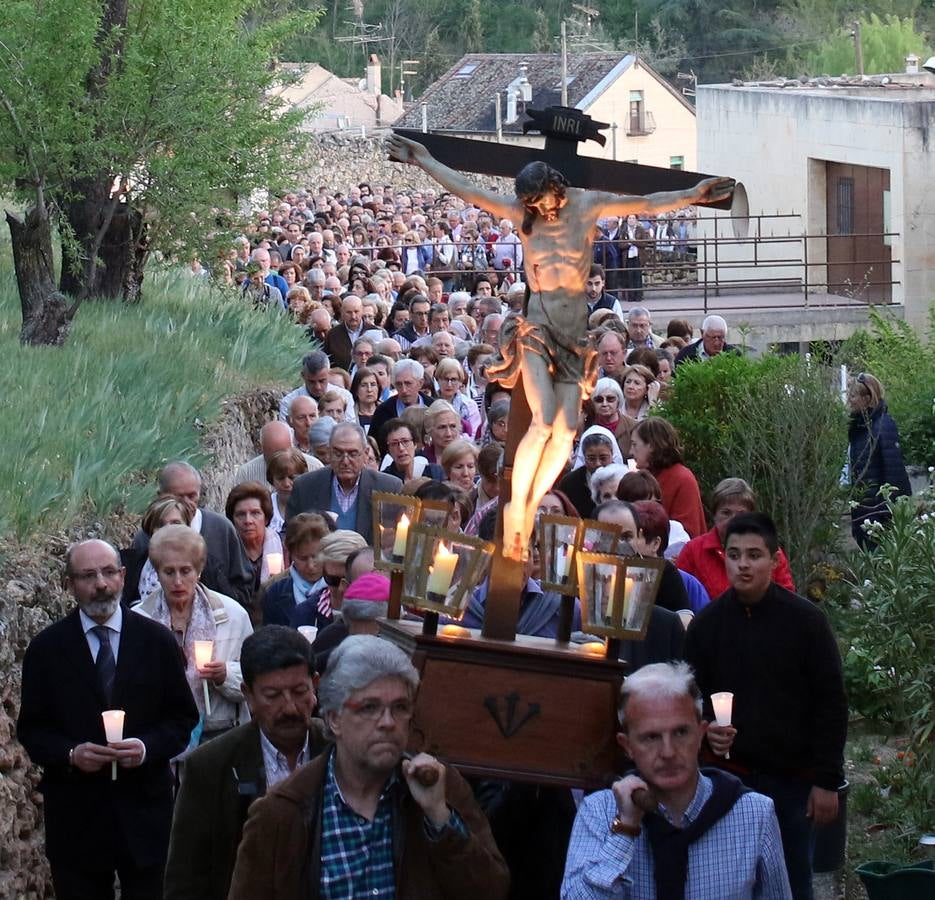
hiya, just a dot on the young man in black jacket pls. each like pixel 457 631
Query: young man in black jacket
pixel 775 651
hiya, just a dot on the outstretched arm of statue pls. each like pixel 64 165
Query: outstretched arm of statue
pixel 711 190
pixel 406 151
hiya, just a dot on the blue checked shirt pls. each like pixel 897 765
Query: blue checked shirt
pixel 356 855
pixel 738 858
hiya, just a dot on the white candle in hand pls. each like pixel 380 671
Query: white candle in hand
pixel 274 563
pixel 113 730
pixel 402 536
pixel 204 650
pixel 723 703
pixel 442 572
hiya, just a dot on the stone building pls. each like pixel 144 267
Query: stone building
pixel 854 158
pixel 484 96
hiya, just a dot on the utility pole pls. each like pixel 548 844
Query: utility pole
pixel 564 66
pixel 858 49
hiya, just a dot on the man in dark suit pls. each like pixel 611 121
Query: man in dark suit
pixel 101 657
pixel 340 339
pixel 408 379
pixel 344 487
pixel 227 571
pixel 712 342
pixel 224 776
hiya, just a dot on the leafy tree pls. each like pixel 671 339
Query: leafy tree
pixel 885 42
pixel 128 129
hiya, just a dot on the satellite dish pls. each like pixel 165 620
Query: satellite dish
pixel 740 211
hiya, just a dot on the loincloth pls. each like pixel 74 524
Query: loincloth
pixel 568 362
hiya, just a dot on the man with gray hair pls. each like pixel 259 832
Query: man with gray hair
pixel 640 329
pixel 408 379
pixel 362 821
pixel 713 341
pixel 345 486
pixel 668 829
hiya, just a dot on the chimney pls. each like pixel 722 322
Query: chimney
pixel 912 64
pixel 374 85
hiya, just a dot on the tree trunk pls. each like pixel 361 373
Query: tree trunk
pixel 103 262
pixel 46 313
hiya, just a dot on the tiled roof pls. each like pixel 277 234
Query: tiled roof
pixel 463 98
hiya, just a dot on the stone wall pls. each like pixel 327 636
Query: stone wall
pixel 338 161
pixel 31 598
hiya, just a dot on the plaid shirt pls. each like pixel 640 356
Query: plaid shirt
pixel 346 499
pixel 356 855
pixel 739 858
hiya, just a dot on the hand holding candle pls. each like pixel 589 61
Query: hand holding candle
pixel 723 704
pixel 204 650
pixel 113 730
pixel 274 563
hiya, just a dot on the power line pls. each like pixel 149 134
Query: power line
pixel 757 50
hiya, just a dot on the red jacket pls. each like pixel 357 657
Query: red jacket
pixel 682 499
pixel 703 557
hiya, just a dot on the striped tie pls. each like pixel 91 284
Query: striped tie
pixel 324 602
pixel 105 665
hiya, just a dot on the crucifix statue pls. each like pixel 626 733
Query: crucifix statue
pixel 547 346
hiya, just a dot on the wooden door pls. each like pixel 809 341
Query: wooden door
pixel 859 261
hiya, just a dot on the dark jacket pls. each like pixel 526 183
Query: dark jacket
pixel 279 604
pixel 338 346
pixel 228 570
pixel 664 641
pixel 382 414
pixel 781 661
pixel 279 855
pixel 575 486
pixel 875 459
pixel 312 491
pixel 220 781
pixel 61 707
pixel 691 353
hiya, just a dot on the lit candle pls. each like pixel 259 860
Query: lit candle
pixel 723 703
pixel 631 465
pixel 204 650
pixel 442 572
pixel 113 729
pixel 455 631
pixel 611 584
pixel 309 632
pixel 563 559
pixel 402 536
pixel 627 594
pixel 594 648
pixel 274 563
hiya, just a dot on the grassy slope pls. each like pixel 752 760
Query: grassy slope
pixel 82 427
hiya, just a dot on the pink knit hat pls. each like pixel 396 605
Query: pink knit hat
pixel 372 586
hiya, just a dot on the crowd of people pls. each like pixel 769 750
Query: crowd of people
pixel 404 298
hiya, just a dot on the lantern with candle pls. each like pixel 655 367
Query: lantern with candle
pixel 617 594
pixel 559 541
pixel 441 570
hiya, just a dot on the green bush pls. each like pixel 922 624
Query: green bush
pixel 778 423
pixel 905 362
pixel 888 626
pixel 83 427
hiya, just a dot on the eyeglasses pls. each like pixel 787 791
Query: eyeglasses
pixel 450 379
pixel 373 711
pixel 398 445
pixel 92 574
pixel 610 398
pixel 332 580
pixel 345 454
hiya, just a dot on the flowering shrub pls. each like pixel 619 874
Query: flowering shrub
pixel 889 661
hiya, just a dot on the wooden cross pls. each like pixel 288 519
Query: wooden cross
pixel 564 128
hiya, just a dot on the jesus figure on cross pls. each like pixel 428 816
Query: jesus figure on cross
pixel 548 343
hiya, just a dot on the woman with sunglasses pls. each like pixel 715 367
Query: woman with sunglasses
pixel 874 454
pixel 605 408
